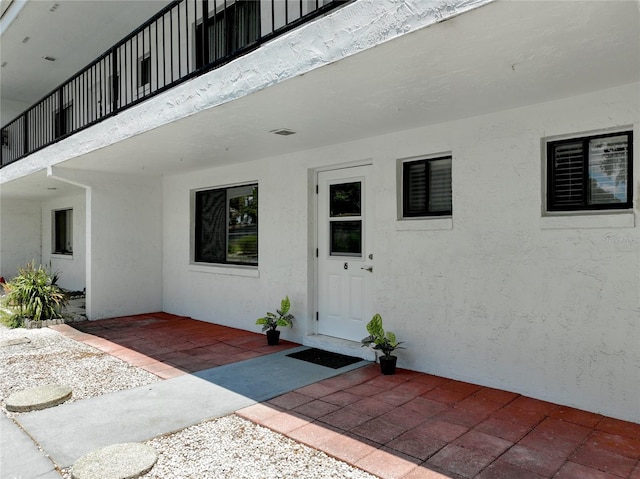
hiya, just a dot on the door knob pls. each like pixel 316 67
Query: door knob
pixel 368 268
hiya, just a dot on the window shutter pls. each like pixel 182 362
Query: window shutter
pixel 427 187
pixel 415 183
pixel 568 174
pixel 440 186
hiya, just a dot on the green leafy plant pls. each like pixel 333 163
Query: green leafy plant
pixel 10 320
pixel 382 341
pixel 281 317
pixel 34 294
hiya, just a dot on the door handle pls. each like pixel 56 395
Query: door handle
pixel 368 268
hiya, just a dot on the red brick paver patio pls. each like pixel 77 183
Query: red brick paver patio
pixel 407 426
pixel 168 345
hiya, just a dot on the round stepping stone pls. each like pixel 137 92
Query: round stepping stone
pixel 119 461
pixel 41 397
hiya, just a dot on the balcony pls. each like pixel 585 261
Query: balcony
pixel 186 39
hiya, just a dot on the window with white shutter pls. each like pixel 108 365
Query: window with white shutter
pixel 426 187
pixel 590 173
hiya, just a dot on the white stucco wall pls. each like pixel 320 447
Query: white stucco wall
pixel 72 268
pixel 229 295
pixel 20 224
pixel 499 296
pixel 126 245
pixel 123 242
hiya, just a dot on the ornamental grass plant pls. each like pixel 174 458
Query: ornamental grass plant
pixel 33 294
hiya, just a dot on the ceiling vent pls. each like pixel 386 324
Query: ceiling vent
pixel 283 132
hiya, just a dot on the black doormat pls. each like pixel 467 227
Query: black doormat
pixel 324 358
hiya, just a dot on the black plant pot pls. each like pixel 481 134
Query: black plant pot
pixel 388 364
pixel 273 337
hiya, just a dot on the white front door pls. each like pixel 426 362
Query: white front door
pixel 345 256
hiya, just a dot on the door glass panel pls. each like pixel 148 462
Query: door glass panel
pixel 346 238
pixel 345 199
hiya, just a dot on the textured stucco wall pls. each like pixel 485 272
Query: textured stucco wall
pixel 498 295
pixel 123 242
pixel 20 226
pixel 72 268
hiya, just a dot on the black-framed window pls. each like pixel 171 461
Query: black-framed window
pixel 426 187
pixel 590 173
pixel 63 121
pixel 144 71
pixel 231 29
pixel 63 231
pixel 226 225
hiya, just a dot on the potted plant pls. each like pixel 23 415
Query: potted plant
pixel 271 321
pixel 382 341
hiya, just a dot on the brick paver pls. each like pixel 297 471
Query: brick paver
pixel 407 426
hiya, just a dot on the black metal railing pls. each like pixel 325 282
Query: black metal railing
pixel 185 39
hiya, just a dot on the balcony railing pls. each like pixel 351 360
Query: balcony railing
pixel 185 39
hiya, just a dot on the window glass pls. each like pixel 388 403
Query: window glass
pixel 63 122
pixel 144 71
pixel 243 225
pixel 228 30
pixel 608 170
pixel 345 199
pixel 346 238
pixel 226 225
pixel 63 231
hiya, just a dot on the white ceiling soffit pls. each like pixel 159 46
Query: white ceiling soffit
pixel 38 30
pixel 4 6
pixel 504 55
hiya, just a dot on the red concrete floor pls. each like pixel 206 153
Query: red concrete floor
pixel 407 426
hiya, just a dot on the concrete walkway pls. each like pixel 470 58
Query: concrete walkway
pixel 20 458
pixel 69 431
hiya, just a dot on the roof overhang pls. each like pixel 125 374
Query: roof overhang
pixel 504 55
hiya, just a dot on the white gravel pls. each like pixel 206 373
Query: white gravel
pixel 234 448
pixel 229 447
pixel 50 358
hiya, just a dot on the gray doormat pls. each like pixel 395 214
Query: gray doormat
pixel 324 358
